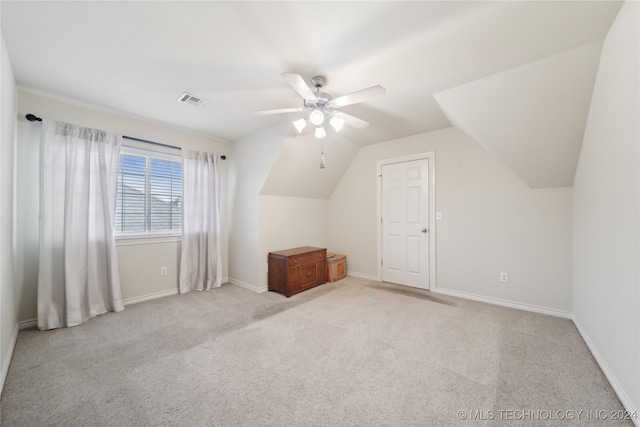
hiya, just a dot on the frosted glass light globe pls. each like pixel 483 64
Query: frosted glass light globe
pixel 316 117
pixel 320 133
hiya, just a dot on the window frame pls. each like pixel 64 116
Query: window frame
pixel 140 149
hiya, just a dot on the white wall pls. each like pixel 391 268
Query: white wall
pixel 265 217
pixel 290 222
pixel 492 222
pixel 8 298
pixel 606 215
pixel 27 220
pixel 251 161
pixel 139 259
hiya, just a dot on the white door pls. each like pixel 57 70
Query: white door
pixel 405 223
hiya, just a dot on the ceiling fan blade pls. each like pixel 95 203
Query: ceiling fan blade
pixel 359 96
pixel 281 110
pixel 354 122
pixel 298 84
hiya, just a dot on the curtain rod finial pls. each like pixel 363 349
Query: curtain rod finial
pixel 33 118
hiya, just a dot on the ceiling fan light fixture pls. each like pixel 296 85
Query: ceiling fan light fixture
pixel 300 124
pixel 336 123
pixel 322 107
pixel 316 117
pixel 320 133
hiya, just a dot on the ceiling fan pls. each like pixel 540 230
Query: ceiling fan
pixel 322 106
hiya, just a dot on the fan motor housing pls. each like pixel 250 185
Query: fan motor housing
pixel 322 100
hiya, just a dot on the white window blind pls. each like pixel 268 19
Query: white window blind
pixel 149 193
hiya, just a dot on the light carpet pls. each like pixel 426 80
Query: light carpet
pixel 349 353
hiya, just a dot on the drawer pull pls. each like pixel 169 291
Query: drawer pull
pixel 295 261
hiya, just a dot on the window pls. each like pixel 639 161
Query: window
pixel 149 193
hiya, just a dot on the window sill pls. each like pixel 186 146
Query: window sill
pixel 145 239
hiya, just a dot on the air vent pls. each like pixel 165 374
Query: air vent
pixel 187 98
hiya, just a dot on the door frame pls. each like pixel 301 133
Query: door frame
pixel 430 157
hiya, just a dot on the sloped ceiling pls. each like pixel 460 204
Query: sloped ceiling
pixel 297 173
pixel 136 58
pixel 531 118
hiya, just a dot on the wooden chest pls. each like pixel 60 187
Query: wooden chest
pixel 295 270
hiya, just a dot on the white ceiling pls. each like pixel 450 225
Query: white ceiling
pixel 136 58
pixel 532 117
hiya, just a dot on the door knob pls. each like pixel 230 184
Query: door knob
pixel 424 230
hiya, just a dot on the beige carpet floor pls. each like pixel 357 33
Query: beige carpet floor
pixel 349 353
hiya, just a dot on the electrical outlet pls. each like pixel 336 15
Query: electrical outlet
pixel 163 271
pixel 504 277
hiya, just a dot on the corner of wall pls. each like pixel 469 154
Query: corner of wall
pixel 8 303
pixel 606 208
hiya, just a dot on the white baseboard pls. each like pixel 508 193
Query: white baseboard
pixel 7 360
pixel 155 295
pixel 148 297
pixel 254 288
pixel 505 303
pixel 25 324
pixel 624 399
pixel 362 276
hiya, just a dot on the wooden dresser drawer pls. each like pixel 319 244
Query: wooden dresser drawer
pixel 295 270
pixel 307 258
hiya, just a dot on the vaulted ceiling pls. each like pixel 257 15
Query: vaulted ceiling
pixel 515 76
pixel 531 117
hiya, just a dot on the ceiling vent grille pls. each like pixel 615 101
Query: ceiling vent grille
pixel 187 98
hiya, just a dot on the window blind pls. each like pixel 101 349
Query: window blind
pixel 149 193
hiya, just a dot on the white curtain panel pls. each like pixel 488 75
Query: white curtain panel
pixel 201 259
pixel 78 272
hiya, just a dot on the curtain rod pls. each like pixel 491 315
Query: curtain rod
pixel 33 118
